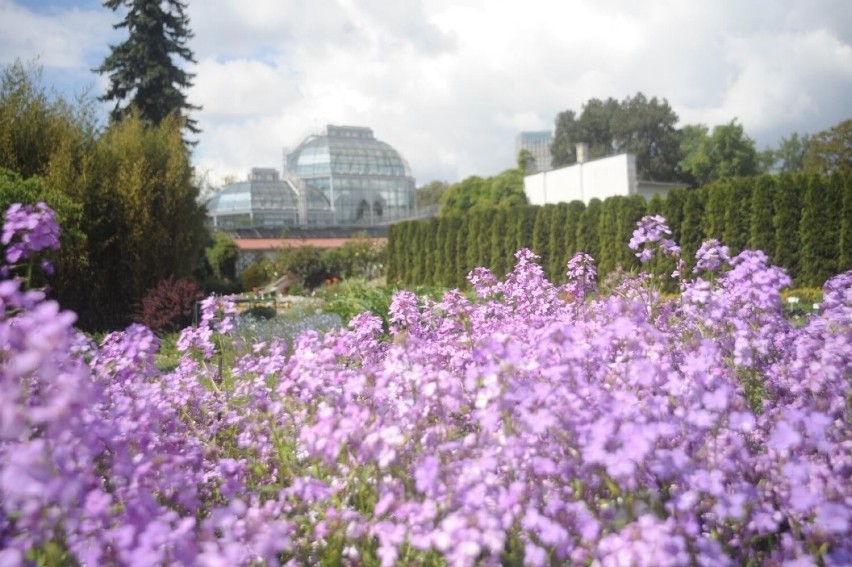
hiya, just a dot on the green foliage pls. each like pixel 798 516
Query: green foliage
pixel 845 241
pixel 738 216
pixel 763 200
pixel 726 152
pixel 587 233
pixel 788 213
pixel 830 151
pixel 630 211
pixel 790 155
pixel 526 162
pixel 254 276
pixel 221 256
pixel 142 70
pixel 36 126
pixel 638 125
pixel 430 194
pixel 501 249
pixel 306 262
pixel 125 196
pixel 607 233
pixel 359 257
pixel 541 235
pixel 819 230
pixel 476 193
pixel 143 221
pixel 355 296
pixel 71 261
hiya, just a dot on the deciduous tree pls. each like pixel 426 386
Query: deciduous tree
pixel 638 125
pixel 830 151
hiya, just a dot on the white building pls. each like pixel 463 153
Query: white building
pixel 590 179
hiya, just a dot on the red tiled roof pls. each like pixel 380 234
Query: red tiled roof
pixel 273 243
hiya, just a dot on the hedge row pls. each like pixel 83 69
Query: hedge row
pixel 802 222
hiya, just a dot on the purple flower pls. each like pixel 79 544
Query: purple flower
pixel 651 230
pixel 29 229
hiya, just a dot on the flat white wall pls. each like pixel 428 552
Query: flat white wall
pixel 600 178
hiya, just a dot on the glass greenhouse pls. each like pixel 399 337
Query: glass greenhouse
pixel 265 200
pixel 365 180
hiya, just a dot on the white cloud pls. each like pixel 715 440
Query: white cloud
pixel 449 83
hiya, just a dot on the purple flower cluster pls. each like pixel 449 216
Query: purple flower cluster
pixel 652 231
pixel 524 422
pixel 27 230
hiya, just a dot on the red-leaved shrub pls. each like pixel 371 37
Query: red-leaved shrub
pixel 168 306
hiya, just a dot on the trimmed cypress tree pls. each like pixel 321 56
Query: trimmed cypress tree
pixel 392 261
pixel 445 247
pixel 431 252
pixel 418 252
pixel 763 198
pixel 738 215
pixel 587 230
pixel 462 266
pixel 607 229
pixel 474 239
pixel 570 231
pixel 845 244
pixel 541 235
pixel 630 211
pixel 819 230
pixel 525 226
pixel 714 210
pixel 556 242
pixel 789 195
pixel 673 212
pixel 656 206
pixel 502 242
pixel 692 229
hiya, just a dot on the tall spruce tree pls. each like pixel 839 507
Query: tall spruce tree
pixel 142 70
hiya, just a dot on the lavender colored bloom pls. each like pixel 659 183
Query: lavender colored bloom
pixel 651 230
pixel 513 422
pixel 29 229
pixel 711 256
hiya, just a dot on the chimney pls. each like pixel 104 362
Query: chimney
pixel 582 152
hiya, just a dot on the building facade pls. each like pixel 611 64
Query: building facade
pixel 592 179
pixel 538 145
pixel 265 200
pixel 365 180
pixel 342 177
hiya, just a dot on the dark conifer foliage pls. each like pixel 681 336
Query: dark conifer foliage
pixel 143 70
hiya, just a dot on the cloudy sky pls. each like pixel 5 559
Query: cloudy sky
pixel 449 83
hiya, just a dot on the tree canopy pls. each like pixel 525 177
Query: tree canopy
pixel 638 125
pixel 142 70
pixel 724 153
pixel 830 151
pixel 125 195
pixel 477 193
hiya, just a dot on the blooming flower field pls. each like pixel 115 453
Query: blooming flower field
pixel 523 424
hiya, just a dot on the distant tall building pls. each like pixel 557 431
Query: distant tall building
pixel 537 144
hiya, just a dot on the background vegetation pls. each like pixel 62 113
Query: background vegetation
pixel 803 222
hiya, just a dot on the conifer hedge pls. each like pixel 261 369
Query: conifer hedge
pixel 802 222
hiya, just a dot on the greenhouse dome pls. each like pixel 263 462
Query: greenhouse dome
pixel 365 180
pixel 265 200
